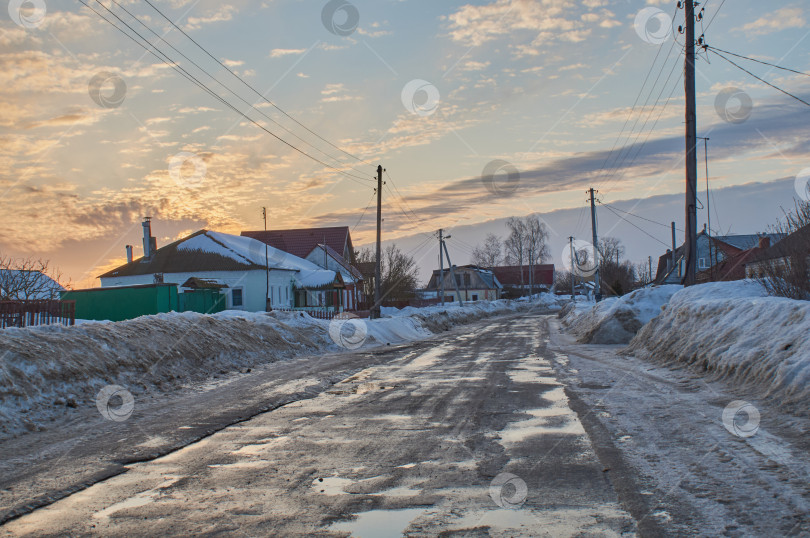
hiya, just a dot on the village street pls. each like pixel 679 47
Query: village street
pixel 499 427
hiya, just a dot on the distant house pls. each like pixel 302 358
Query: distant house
pixel 326 257
pixel 718 257
pixel 302 241
pixel 328 247
pixel 18 285
pixel 516 279
pixel 796 243
pixel 474 284
pixel 253 276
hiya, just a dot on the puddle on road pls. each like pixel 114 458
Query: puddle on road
pixel 401 491
pixel 379 523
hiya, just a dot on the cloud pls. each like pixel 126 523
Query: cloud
pixel 223 13
pixel 279 53
pixel 775 21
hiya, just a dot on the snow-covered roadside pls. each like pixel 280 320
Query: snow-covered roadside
pixel 44 369
pixel 616 320
pixel 733 331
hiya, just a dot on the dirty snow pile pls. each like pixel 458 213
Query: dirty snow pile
pixel 733 331
pixel 45 369
pixel 616 320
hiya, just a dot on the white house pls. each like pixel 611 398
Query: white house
pixel 257 276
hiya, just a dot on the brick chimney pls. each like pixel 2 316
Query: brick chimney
pixel 149 242
pixel 764 241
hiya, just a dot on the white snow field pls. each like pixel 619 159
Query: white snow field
pixel 615 320
pixel 734 332
pixel 48 367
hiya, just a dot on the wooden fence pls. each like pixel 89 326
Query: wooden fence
pixel 37 312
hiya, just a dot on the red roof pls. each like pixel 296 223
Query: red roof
pixel 509 275
pixel 302 241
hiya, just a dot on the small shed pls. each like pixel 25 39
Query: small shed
pixel 202 295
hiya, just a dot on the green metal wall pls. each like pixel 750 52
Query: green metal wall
pixel 120 303
pixel 205 301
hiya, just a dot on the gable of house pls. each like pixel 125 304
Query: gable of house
pixel 20 285
pixel 300 242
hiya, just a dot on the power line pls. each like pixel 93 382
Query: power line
pixel 195 64
pixel 759 78
pixel 171 63
pixel 240 79
pixel 637 227
pixel 668 226
pixel 758 61
pixel 370 201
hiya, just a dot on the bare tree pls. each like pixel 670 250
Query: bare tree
pixel 490 253
pixel 28 278
pixel 515 244
pixel 610 248
pixel 787 272
pixel 398 272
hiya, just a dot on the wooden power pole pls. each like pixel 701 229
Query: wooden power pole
pixel 691 142
pixel 375 311
pixel 598 282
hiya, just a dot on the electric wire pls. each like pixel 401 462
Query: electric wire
pixel 254 90
pixel 245 101
pixel 710 47
pixel 759 78
pixel 171 63
pixel 642 230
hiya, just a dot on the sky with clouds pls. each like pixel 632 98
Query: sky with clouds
pixel 477 110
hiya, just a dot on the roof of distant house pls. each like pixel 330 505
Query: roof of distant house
pixel 300 242
pixel 509 275
pixel 213 251
pixel 799 239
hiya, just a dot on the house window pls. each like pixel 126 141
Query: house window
pixel 702 263
pixel 474 296
pixel 236 297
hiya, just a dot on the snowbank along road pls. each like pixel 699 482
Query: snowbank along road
pixel 503 427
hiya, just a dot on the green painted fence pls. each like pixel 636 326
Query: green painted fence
pixel 128 302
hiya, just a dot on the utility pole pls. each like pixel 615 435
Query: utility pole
pixel 375 310
pixel 452 274
pixel 598 287
pixel 441 267
pixel 691 142
pixel 266 263
pixel 674 246
pixel 708 204
pixel 571 244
